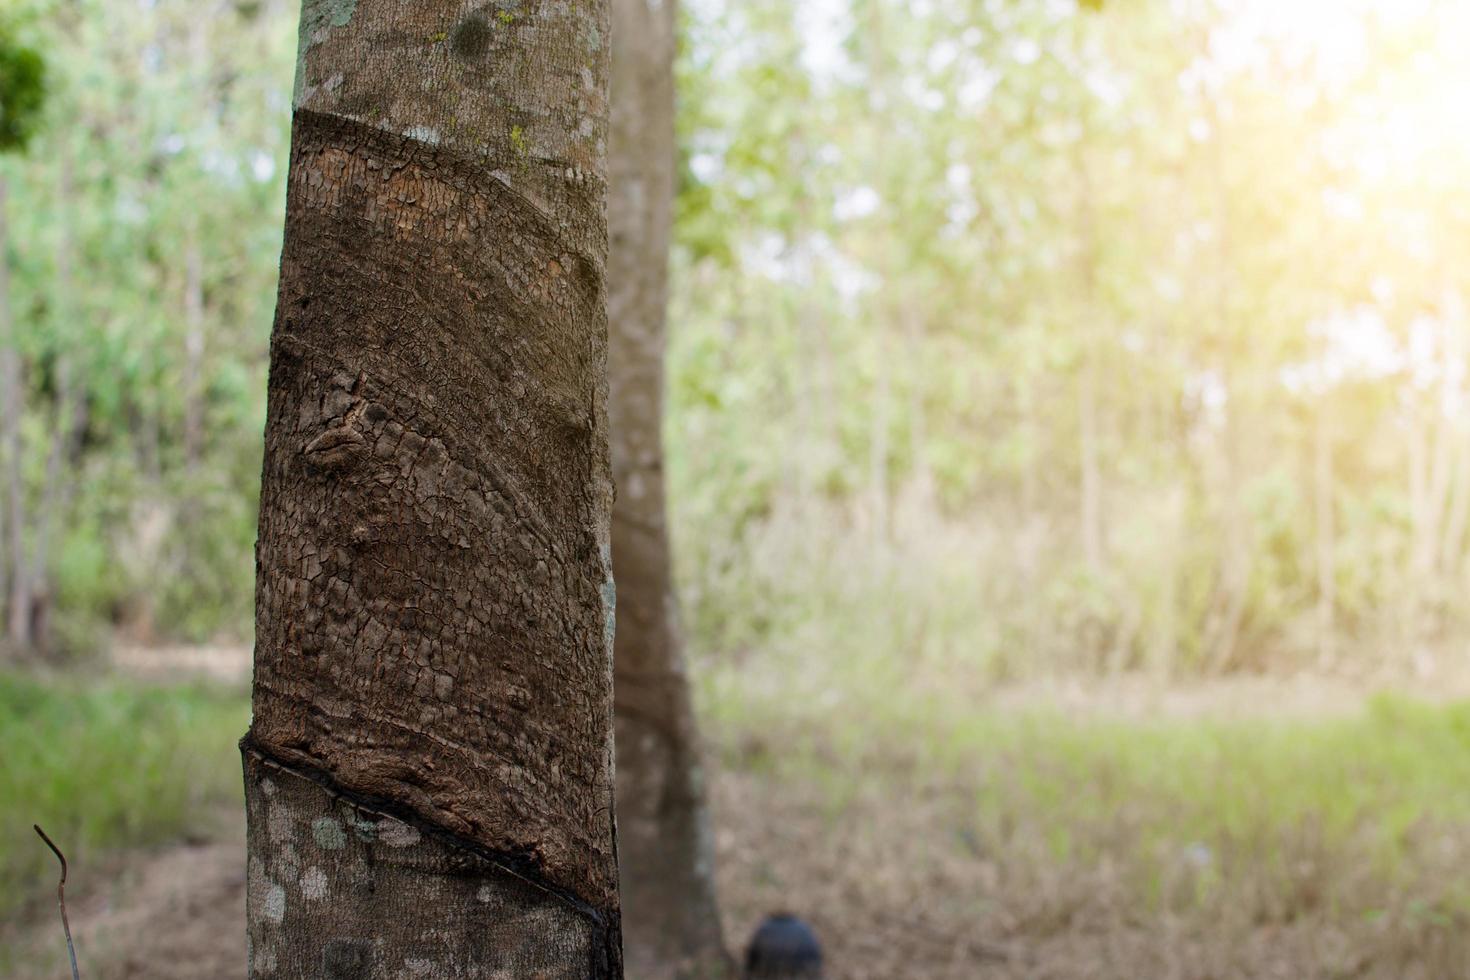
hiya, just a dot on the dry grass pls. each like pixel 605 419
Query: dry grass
pixel 1018 842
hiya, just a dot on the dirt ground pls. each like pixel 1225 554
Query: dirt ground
pixel 893 890
pixel 903 902
pixel 885 867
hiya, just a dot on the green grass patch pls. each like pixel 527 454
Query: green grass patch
pixel 1351 815
pixel 106 763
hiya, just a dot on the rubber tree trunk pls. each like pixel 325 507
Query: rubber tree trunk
pixel 429 771
pixel 671 920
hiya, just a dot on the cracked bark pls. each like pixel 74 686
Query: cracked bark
pixel 670 916
pixel 429 766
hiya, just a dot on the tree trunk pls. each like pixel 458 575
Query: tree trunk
pixel 9 408
pixel 1088 436
pixel 193 350
pixel 194 323
pixel 1090 462
pixel 1325 484
pixel 879 421
pixel 1452 550
pixel 1232 578
pixel 68 421
pixel 922 474
pixel 1222 630
pixel 1418 452
pixel 429 769
pixel 18 606
pixel 670 915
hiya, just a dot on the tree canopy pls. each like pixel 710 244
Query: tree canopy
pixel 22 90
pixel 1109 336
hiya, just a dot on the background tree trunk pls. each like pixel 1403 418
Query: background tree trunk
pixel 1089 436
pixel 12 382
pixel 68 419
pixel 10 409
pixel 1324 483
pixel 429 768
pixel 672 922
pixel 194 322
pixel 193 350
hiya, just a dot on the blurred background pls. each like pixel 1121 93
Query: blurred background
pixel 1069 459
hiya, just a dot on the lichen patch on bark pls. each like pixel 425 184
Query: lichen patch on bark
pixel 317 18
pixel 439 908
pixel 481 71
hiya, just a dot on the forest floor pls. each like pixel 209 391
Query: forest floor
pixel 1079 831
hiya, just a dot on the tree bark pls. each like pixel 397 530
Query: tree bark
pixel 193 349
pixel 922 474
pixel 1089 456
pixel 1222 628
pixel 1418 461
pixel 878 426
pixel 9 411
pixel 429 778
pixel 194 322
pixel 1451 555
pixel 18 594
pixel 68 422
pixel 1088 436
pixel 1324 482
pixel 669 910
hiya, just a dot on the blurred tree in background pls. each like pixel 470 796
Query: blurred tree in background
pixel 144 235
pixel 22 94
pixel 1018 337
pixel 1005 338
pixel 22 90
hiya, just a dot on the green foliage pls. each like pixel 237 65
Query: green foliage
pixel 1016 277
pixel 148 231
pixel 992 335
pixel 103 765
pixel 22 91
